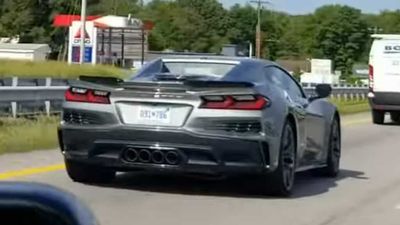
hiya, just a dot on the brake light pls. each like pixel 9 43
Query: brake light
pixel 371 78
pixel 238 102
pixel 86 95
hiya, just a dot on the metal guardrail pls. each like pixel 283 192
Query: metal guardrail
pixel 19 97
pixel 342 92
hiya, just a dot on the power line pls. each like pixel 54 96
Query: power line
pixel 258 28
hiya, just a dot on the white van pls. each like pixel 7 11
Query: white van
pixel 384 77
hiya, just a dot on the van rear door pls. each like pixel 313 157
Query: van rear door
pixel 385 62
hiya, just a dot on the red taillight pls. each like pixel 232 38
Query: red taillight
pixel 238 102
pixel 371 78
pixel 85 95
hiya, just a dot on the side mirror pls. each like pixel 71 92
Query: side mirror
pixel 23 203
pixel 323 90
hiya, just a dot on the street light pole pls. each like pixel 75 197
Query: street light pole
pixel 258 28
pixel 83 32
pixel 250 49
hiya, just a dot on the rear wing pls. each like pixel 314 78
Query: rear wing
pixel 110 83
pixel 386 36
pixel 101 80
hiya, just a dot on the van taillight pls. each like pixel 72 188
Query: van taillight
pixel 85 95
pixel 371 78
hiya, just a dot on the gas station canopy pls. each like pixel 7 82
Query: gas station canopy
pixel 108 39
pixel 110 21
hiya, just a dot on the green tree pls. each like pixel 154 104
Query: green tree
pixel 28 19
pixel 273 26
pixel 207 24
pixel 341 35
pixel 388 21
pixel 191 25
pixel 242 23
pixel 298 37
pixel 116 7
pixel 164 15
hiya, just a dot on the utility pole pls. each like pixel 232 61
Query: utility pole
pixel 83 32
pixel 258 28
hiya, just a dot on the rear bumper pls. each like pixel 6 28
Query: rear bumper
pixel 385 101
pixel 197 154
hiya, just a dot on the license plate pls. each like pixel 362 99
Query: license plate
pixel 155 114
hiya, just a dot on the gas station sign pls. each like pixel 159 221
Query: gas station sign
pixel 75 37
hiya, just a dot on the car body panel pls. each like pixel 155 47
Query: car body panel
pixel 217 140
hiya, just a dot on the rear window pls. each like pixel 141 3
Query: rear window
pixel 198 68
pixel 214 69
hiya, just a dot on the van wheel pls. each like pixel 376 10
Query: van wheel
pixel 395 116
pixel 378 117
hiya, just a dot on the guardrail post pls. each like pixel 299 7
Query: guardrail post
pixel 47 102
pixel 14 106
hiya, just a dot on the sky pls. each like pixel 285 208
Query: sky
pixel 308 6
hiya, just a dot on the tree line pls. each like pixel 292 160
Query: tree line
pixel 337 32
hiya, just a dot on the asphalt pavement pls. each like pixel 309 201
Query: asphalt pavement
pixel 367 191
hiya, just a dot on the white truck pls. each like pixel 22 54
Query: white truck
pixel 384 77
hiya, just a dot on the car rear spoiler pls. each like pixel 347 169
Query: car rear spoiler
pixel 112 83
pixel 101 80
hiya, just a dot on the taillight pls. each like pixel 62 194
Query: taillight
pixel 238 102
pixel 371 78
pixel 85 95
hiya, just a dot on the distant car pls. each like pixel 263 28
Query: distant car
pixel 384 78
pixel 200 115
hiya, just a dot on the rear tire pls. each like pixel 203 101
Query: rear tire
pixel 82 173
pixel 395 116
pixel 378 117
pixel 281 181
pixel 334 152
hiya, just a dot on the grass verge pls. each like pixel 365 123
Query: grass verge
pixel 54 69
pixel 23 135
pixel 351 107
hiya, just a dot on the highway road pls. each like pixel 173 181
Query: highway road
pixel 367 192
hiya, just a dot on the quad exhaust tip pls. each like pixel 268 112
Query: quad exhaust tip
pixel 157 157
pixel 131 155
pixel 145 156
pixel 172 158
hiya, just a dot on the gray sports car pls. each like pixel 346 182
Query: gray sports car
pixel 200 115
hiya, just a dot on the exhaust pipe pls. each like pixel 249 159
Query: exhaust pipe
pixel 172 157
pixel 157 157
pixel 144 156
pixel 131 155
